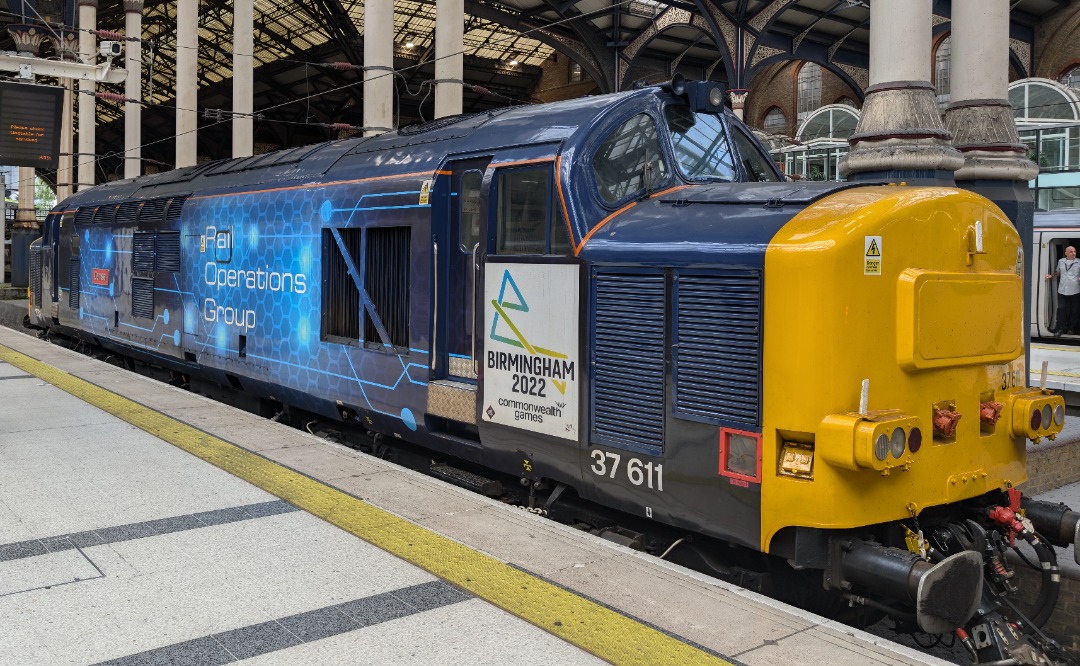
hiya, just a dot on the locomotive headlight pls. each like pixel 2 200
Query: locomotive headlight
pixel 881 447
pixel 1034 413
pixel 865 441
pixel 716 96
pixel 897 443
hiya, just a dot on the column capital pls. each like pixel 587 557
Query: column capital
pixel 28 38
pixel 66 44
pixel 133 6
pixel 88 3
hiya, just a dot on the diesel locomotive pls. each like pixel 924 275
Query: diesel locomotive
pixel 619 301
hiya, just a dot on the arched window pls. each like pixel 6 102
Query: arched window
pixel 1071 78
pixel 835 121
pixel 942 66
pixel 1043 100
pixel 775 121
pixel 809 89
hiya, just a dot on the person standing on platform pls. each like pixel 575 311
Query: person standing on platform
pixel 1068 309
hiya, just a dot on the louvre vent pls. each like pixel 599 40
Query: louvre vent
pixel 628 352
pixel 128 212
pixel 142 251
pixel 176 207
pixel 718 347
pixel 168 251
pixel 153 211
pixel 341 300
pixel 386 281
pixel 35 274
pixel 105 214
pixel 74 284
pixel 142 297
pixel 85 215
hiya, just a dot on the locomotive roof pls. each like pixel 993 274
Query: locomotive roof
pixel 416 148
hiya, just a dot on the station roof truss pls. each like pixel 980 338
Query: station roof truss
pixel 618 43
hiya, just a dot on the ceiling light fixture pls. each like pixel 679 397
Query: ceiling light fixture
pixel 409 43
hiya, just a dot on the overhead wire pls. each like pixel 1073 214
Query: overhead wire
pixel 397 72
pixel 340 66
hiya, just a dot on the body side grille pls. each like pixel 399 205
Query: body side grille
pixel 628 353
pixel 718 347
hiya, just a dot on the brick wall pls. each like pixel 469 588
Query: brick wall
pixel 1051 467
pixel 554 84
pixel 775 86
pixel 1057 42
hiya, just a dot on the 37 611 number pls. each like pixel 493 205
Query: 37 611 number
pixel 637 472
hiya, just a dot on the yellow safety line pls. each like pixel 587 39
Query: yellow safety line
pixel 601 631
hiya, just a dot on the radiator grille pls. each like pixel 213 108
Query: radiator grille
pixel 142 251
pixel 718 347
pixel 628 352
pixel 176 207
pixel 128 212
pixel 341 300
pixel 142 297
pixel 167 249
pixel 153 211
pixel 74 284
pixel 35 275
pixel 386 281
pixel 85 215
pixel 105 214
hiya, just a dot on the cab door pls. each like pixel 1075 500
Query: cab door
pixel 459 246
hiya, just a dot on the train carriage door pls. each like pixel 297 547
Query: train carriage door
pixel 1051 244
pixel 468 229
pixel 456 339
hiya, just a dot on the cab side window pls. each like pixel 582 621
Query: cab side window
pixel 758 166
pixel 527 222
pixel 629 162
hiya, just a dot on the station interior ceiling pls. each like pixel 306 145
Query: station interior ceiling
pixel 298 93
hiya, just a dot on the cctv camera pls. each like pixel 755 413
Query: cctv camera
pixel 111 49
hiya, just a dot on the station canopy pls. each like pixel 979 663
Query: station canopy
pixel 617 43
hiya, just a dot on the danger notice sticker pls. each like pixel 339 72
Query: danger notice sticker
pixel 872 255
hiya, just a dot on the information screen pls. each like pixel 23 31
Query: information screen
pixel 30 125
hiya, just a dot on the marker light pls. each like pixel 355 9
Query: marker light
pixel 1036 419
pixel 1047 414
pixel 914 440
pixel 1059 415
pixel 881 447
pixel 897 443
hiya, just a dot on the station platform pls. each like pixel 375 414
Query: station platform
pixel 143 524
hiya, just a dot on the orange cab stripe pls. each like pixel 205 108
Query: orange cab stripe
pixel 562 200
pixel 620 212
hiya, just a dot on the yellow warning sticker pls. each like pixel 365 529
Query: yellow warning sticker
pixel 425 192
pixel 872 255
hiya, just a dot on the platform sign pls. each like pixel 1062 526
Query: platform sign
pixel 30 124
pixel 532 372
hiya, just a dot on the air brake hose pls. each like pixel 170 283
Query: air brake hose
pixel 1051 578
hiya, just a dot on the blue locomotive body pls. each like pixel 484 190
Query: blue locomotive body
pixel 576 293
